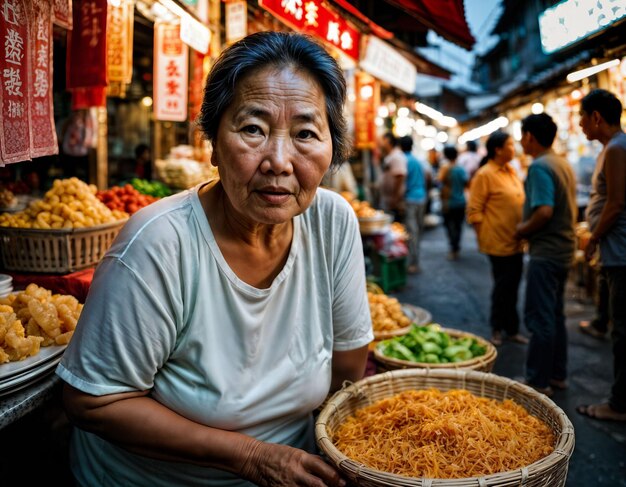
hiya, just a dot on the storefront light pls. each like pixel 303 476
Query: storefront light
pixel 366 92
pixel 392 107
pixel 484 130
pixel 379 121
pixel 427 144
pixel 577 95
pixel 537 108
pixel 383 111
pixel 115 3
pixel 403 112
pixel 585 73
pixel 442 137
pixel 146 101
pixel 430 131
pixel 516 128
pixel 351 97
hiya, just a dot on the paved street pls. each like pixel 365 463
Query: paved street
pixel 457 295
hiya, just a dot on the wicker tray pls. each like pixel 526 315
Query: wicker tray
pixel 484 363
pixel 374 224
pixel 549 471
pixel 55 251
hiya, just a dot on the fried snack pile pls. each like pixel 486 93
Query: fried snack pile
pixel 70 203
pixel 364 210
pixel 33 318
pixel 387 314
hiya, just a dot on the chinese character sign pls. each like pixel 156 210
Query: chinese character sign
pixel 120 41
pixel 15 135
pixel 313 17
pixel 87 45
pixel 367 101
pixel 236 21
pixel 170 73
pixel 44 138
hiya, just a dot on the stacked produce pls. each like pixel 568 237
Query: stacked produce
pixel 386 312
pixel 125 198
pixel 70 203
pixel 7 199
pixel 151 188
pixel 430 344
pixel 35 318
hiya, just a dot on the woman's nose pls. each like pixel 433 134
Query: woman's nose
pixel 279 156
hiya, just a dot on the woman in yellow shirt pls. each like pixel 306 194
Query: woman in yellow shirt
pixel 494 209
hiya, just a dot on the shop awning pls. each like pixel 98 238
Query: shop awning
pixel 445 17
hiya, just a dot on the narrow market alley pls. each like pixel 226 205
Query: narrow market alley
pixel 457 294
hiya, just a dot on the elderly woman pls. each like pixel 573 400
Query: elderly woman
pixel 222 316
pixel 495 209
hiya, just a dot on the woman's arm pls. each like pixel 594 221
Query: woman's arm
pixel 349 365
pixel 143 426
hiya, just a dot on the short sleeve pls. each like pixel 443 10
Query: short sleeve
pixel 539 187
pixel 123 319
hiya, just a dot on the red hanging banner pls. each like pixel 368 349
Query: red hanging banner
pixel 315 18
pixel 87 46
pixel 62 13
pixel 15 135
pixel 171 73
pixel 44 136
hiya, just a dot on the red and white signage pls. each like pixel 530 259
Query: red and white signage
pixel 171 75
pixel 236 21
pixel 15 136
pixel 120 41
pixel 62 13
pixel 313 17
pixel 44 137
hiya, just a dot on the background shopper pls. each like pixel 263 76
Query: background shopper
pixel 453 181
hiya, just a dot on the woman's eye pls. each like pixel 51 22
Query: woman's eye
pixel 252 129
pixel 306 134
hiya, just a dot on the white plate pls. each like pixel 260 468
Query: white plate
pixel 30 376
pixel 11 369
pixel 5 280
pixel 5 292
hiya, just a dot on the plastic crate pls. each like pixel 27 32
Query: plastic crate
pixel 390 272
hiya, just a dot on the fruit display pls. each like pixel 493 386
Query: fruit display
pixel 430 344
pixel 125 198
pixel 151 188
pixel 386 312
pixel 7 199
pixel 35 318
pixel 70 203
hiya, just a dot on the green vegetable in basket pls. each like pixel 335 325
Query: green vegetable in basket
pixel 430 344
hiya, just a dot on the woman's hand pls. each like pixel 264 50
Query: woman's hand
pixel 269 464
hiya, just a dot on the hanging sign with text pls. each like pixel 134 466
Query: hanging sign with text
pixel 315 18
pixel 15 136
pixel 62 13
pixel 44 136
pixel 120 41
pixel 171 75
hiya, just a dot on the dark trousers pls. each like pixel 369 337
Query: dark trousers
pixel 616 280
pixel 601 321
pixel 507 273
pixel 453 220
pixel 545 319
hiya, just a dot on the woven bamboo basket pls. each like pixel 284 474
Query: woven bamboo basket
pixel 374 224
pixel 55 251
pixel 550 471
pixel 484 363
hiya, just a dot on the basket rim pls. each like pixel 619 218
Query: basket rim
pixel 65 231
pixel 563 448
pixel 488 357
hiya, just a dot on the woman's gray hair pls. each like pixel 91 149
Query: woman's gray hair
pixel 278 49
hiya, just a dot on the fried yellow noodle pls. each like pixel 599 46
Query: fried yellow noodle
pixel 445 435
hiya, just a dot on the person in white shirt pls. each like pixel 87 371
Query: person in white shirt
pixel 470 159
pixel 222 317
pixel 393 176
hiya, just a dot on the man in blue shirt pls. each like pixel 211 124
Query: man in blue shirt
pixel 549 217
pixel 415 203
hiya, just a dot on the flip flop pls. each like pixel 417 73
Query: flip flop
pixel 591 411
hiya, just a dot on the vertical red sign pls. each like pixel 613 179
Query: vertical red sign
pixel 15 136
pixel 87 46
pixel 44 136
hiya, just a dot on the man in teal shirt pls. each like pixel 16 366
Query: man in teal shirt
pixel 549 217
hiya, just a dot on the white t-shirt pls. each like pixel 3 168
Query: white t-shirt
pixel 166 313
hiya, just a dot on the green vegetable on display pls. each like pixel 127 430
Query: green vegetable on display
pixel 152 188
pixel 429 344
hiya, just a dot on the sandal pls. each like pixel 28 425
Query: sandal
pixel 496 338
pixel 601 411
pixel 588 329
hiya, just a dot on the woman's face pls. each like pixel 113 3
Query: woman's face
pixel 273 144
pixel 506 153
